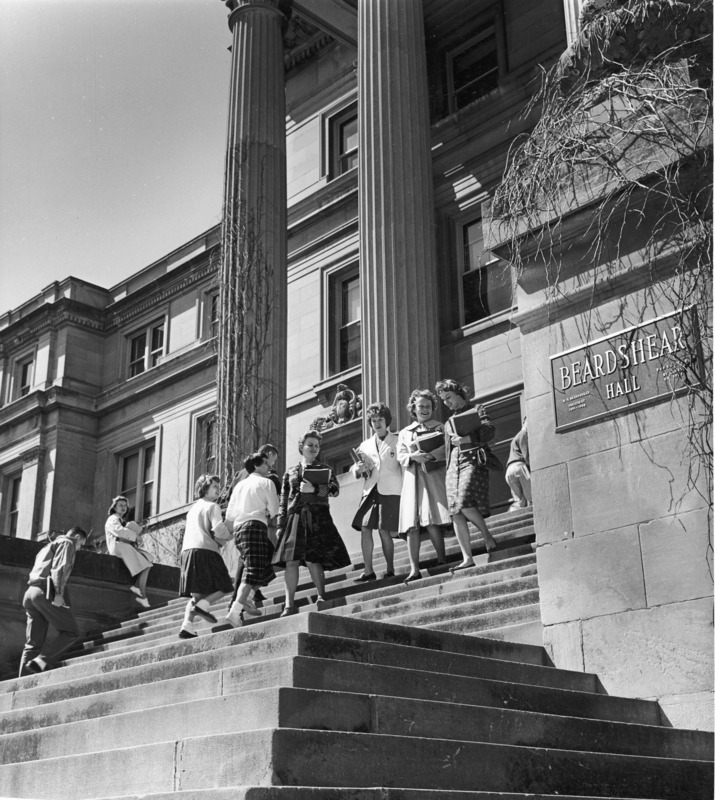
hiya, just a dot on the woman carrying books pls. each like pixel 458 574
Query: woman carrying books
pixel 376 462
pixel 423 502
pixel 306 532
pixel 469 460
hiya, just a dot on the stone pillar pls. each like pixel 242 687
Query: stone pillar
pixel 400 347
pixel 252 334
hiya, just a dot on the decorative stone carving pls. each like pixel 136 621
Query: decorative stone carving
pixel 346 407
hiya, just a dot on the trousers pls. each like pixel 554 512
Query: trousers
pixel 40 615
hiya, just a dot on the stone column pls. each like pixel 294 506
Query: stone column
pixel 397 243
pixel 252 334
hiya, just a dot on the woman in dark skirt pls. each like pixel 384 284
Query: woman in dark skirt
pixel 306 532
pixel 468 462
pixel 204 577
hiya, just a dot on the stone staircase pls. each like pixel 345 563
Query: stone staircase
pixel 344 704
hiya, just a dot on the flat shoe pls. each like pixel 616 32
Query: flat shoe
pixel 202 612
pixel 35 667
pixel 136 590
pixel 258 596
pixel 389 575
pixel 250 608
pixel 143 602
pixel 461 566
pixel 411 578
pixel 184 634
pixel 288 611
pixel 366 576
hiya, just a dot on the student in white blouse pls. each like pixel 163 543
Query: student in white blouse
pixel 380 504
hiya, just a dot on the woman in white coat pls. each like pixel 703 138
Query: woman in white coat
pixel 423 503
pixel 122 542
pixel 380 504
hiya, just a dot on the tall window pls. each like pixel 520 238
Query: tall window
pixel 205 453
pixel 213 314
pixel 343 144
pixel 23 374
pixel 146 348
pixel 13 507
pixel 473 68
pixel 344 312
pixel 137 481
pixel 486 281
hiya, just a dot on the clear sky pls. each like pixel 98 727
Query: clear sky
pixel 112 135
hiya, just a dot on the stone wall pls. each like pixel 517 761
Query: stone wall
pixel 98 589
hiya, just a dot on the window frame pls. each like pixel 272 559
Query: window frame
pixel 334 121
pixel 494 18
pixel 461 227
pixel 151 356
pixel 141 482
pixel 11 504
pixel 202 421
pixel 335 280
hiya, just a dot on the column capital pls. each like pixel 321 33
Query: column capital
pixel 238 7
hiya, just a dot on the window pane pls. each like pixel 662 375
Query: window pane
pixel 475 70
pixel 25 377
pixel 149 464
pixel 15 485
pixel 136 355
pixel 214 315
pixel 351 300
pixel 350 346
pixel 130 470
pixel 348 136
pixel 487 291
pixel 474 253
pixel 157 344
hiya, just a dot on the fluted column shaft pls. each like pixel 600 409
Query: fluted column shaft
pixel 252 330
pixel 397 241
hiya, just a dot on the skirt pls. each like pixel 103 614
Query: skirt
pixel 310 535
pixel 256 552
pixel 378 512
pixel 467 484
pixel 203 572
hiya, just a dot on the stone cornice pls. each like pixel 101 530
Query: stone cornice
pixel 128 308
pixel 51 317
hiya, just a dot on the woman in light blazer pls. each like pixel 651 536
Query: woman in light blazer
pixel 380 504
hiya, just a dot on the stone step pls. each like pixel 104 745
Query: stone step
pixel 341 793
pixel 335 758
pixel 330 674
pixel 170 619
pixel 38 689
pixel 167 627
pixel 53 704
pixel 447 596
pixel 341 711
pixel 424 612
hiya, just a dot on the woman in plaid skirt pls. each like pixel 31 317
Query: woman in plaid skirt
pixel 253 504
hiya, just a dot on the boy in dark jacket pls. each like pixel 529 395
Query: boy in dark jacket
pixel 45 603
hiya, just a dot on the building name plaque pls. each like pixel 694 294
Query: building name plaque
pixel 626 370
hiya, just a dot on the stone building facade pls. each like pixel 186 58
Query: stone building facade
pixel 389 288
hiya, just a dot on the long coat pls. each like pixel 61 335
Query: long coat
pixel 424 497
pixel 135 559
